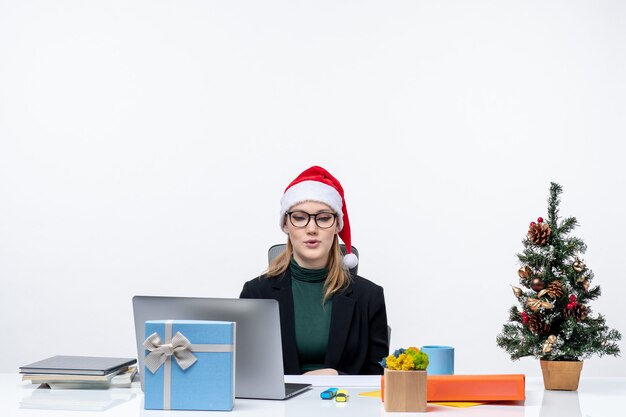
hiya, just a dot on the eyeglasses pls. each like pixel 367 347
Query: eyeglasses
pixel 323 220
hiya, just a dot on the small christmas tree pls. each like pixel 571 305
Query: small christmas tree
pixel 555 321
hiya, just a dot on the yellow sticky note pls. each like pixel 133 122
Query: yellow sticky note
pixel 459 404
pixel 373 394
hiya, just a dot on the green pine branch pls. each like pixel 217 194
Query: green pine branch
pixel 567 225
pixel 553 204
pixel 565 313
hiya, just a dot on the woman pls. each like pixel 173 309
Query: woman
pixel 332 321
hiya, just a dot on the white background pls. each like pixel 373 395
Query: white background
pixel 144 147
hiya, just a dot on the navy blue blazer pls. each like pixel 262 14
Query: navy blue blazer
pixel 357 338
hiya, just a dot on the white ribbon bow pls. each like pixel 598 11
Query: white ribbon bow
pixel 179 348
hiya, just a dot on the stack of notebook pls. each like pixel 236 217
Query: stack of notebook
pixel 81 372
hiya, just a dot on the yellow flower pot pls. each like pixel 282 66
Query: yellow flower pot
pixel 405 391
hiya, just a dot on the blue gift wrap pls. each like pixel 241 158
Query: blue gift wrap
pixel 189 365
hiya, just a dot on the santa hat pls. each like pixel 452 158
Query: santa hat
pixel 316 184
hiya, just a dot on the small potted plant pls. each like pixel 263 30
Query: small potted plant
pixel 405 383
pixel 554 321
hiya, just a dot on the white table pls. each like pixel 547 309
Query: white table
pixel 600 397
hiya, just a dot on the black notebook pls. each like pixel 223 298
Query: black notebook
pixel 77 365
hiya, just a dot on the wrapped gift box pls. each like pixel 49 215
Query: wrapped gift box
pixel 189 365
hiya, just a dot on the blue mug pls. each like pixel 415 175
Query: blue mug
pixel 440 359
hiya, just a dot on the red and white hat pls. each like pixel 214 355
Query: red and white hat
pixel 316 184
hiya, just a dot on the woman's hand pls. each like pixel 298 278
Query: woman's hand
pixel 325 371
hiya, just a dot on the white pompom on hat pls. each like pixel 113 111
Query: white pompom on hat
pixel 316 184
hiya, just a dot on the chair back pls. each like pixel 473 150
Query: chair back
pixel 275 250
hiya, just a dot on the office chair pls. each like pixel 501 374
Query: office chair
pixel 275 250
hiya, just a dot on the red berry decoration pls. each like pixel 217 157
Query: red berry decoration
pixel 524 317
pixel 572 298
pixel 532 223
pixel 540 219
pixel 570 306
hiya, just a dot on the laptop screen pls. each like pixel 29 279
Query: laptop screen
pixel 258 350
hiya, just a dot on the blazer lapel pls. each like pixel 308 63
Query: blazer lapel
pixel 343 309
pixel 282 293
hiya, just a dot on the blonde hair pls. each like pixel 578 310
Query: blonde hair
pixel 338 275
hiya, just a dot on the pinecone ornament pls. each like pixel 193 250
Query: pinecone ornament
pixel 539 233
pixel 554 290
pixel 579 312
pixel 537 324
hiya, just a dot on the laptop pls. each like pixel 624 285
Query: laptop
pixel 259 371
